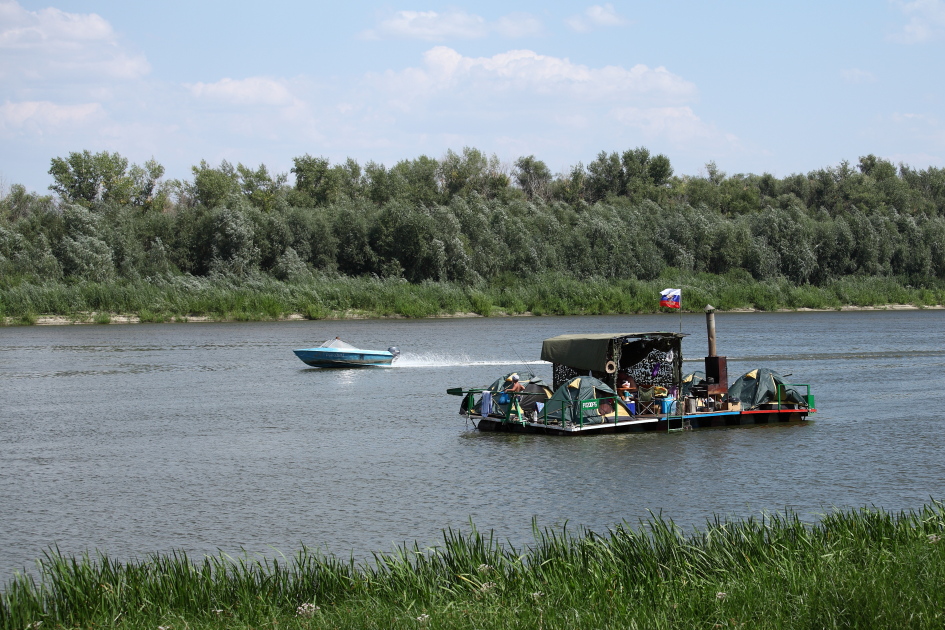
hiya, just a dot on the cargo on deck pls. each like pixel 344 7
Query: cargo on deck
pixel 629 382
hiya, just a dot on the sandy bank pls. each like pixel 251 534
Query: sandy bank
pixel 109 318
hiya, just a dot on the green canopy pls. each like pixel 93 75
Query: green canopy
pixel 761 386
pixel 609 352
pixel 581 352
pixel 580 399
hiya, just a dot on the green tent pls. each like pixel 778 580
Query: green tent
pixel 586 399
pixel 535 392
pixel 691 380
pixel 761 386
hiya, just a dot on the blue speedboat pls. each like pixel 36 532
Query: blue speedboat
pixel 335 353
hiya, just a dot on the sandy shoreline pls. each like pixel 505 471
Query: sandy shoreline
pixel 90 318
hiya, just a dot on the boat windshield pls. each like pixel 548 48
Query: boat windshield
pixel 337 343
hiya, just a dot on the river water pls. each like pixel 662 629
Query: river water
pixel 132 439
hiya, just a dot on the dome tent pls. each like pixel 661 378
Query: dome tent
pixel 569 402
pixel 535 391
pixel 761 386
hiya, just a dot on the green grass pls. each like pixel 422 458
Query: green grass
pixel 176 298
pixel 856 569
pixel 27 318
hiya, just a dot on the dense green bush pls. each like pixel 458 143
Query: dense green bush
pixel 464 220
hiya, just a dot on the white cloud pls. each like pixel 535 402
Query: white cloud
pixel 526 102
pixel 250 91
pixel 517 25
pixel 926 23
pixel 914 118
pixel 42 117
pixel 433 26
pixel 517 101
pixel 677 125
pixel 856 76
pixel 526 72
pixel 272 109
pixel 598 15
pixel 52 44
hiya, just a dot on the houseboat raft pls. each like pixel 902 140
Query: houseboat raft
pixel 632 382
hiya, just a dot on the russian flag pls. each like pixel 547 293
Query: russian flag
pixel 671 298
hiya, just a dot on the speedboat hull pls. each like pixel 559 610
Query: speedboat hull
pixel 338 358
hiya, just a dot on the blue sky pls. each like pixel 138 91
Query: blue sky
pixel 756 87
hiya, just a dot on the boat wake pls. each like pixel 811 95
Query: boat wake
pixel 445 360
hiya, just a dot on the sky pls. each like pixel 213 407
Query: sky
pixel 755 87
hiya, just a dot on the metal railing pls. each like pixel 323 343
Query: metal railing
pixel 780 390
pixel 511 410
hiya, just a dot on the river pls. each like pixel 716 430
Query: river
pixel 133 439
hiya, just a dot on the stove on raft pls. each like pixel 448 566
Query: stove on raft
pixel 630 382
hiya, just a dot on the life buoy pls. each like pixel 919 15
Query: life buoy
pixel 610 367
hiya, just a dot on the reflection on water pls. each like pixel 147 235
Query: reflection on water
pixel 136 439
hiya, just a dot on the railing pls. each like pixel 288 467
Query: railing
pixel 781 388
pixel 579 406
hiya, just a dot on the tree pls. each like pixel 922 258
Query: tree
pixel 605 176
pixel 533 177
pixel 351 230
pixel 380 184
pixel 419 179
pixel 633 174
pixel 659 170
pixel 19 203
pixel 234 247
pixel 348 176
pixel 572 187
pixel 259 187
pixel 146 192
pixel 85 178
pixel 472 172
pixel 116 185
pixel 75 178
pixel 213 186
pixel 315 177
pixel 877 168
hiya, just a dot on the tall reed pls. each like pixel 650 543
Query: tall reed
pixel 263 297
pixel 861 568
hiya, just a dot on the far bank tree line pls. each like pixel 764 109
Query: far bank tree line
pixel 465 218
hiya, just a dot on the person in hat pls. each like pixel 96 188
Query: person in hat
pixel 515 385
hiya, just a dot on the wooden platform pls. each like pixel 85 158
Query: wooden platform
pixel 639 424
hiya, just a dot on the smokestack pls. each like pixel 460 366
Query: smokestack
pixel 710 327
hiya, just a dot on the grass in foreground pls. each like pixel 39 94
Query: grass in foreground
pixel 859 569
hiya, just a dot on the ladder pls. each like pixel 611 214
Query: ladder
pixel 678 421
